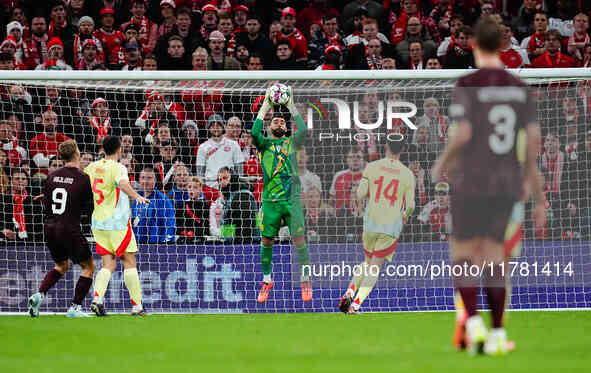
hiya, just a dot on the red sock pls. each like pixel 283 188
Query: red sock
pixel 82 287
pixel 50 279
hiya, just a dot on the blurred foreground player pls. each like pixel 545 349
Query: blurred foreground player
pixel 281 191
pixel 66 194
pixel 111 225
pixel 495 134
pixel 389 187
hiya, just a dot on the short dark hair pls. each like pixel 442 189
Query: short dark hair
pixel 183 10
pixel 553 32
pixel 396 143
pixel 111 144
pixel 175 37
pixel 6 57
pixel 256 55
pixel 489 35
pixel 283 42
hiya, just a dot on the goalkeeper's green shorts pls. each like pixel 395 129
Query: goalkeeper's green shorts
pixel 273 214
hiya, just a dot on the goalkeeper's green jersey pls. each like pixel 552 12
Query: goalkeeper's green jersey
pixel 279 162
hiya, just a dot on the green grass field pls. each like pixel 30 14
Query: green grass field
pixel 381 342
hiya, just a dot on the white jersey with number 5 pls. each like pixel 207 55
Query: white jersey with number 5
pixel 111 205
pixel 389 187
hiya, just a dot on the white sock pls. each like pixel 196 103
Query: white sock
pixel 137 307
pixel 267 278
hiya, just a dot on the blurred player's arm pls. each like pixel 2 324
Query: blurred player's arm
pixel 457 138
pixel 409 197
pixel 128 189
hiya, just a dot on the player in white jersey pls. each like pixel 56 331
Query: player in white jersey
pixel 389 187
pixel 111 225
pixel 218 152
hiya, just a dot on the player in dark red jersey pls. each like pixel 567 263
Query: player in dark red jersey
pixel 66 194
pixel 491 158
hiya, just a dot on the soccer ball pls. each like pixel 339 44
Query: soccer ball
pixel 279 94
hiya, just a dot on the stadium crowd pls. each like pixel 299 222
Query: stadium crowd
pixel 188 147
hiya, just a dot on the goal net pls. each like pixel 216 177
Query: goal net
pixel 199 243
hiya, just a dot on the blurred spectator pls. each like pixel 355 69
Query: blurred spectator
pixel 570 115
pixel 240 17
pixel 12 151
pixel 18 100
pixel 54 163
pixel 209 19
pixel 154 222
pixel 553 57
pixel 131 165
pixel 238 220
pixel 108 36
pixel 199 59
pixel 101 126
pixel 308 179
pixel 233 129
pixel 459 54
pixel 252 164
pixel 226 27
pixel 255 41
pixel 316 10
pixel 421 139
pixel 369 31
pixel 455 24
pixel 416 54
pixel 176 58
pixel 150 63
pixel 372 8
pixel 167 9
pixel 333 58
pixel 284 57
pixel 46 144
pixel 86 29
pixel 6 61
pixel 535 44
pixel 365 57
pixel 330 26
pixel 437 123
pixel 586 56
pixel 433 63
pixel 319 217
pixel 61 28
pixel 523 24
pixel 415 33
pixel 255 62
pixel 442 14
pixel 147 30
pixel 121 9
pixel 218 152
pixel 86 159
pixel 15 29
pixel 178 193
pixel 36 48
pixel 174 108
pixel 119 55
pixel 154 114
pixel 193 214
pixel 182 29
pixel 90 57
pixel 297 40
pixel 20 215
pixel 132 56
pixel 512 56
pixel 435 216
pixel 274 31
pixel 341 183
pixel 580 38
pixel 165 167
pixel 242 55
pixel 218 60
pixel 410 9
pixel 126 147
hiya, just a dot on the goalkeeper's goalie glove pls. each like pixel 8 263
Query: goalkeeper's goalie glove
pixel 266 106
pixel 290 104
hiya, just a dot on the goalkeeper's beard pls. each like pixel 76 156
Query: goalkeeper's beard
pixel 278 132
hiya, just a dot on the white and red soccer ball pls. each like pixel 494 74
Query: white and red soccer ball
pixel 279 94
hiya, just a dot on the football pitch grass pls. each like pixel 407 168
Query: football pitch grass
pixel 371 342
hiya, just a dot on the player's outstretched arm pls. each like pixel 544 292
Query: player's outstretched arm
pixel 128 189
pixel 257 135
pixel 300 134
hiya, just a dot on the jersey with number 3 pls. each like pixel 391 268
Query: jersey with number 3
pixel 111 205
pixel 498 107
pixel 389 184
pixel 66 194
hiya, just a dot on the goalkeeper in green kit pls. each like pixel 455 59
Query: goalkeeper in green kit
pixel 281 192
